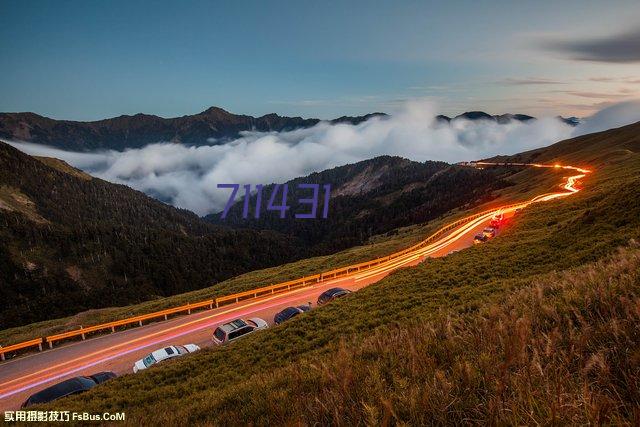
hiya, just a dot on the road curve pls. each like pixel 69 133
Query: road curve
pixel 117 352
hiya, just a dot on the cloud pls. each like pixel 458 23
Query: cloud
pixel 529 81
pixel 626 80
pixel 596 95
pixel 618 48
pixel 610 117
pixel 187 176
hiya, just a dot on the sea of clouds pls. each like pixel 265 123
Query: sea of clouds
pixel 186 176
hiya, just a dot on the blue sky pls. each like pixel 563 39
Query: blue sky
pixel 87 60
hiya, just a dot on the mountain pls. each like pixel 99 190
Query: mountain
pixel 368 198
pixel 118 133
pixel 70 242
pixel 572 121
pixel 481 115
pixel 212 126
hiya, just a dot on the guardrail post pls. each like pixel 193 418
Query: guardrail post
pixel 40 346
pixel 216 302
pixel 165 317
pixel 113 329
pixel 211 305
pixel 2 355
pixel 139 322
pixel 82 333
pixel 50 344
pixel 189 310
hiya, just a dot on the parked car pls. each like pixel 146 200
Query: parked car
pixel 164 354
pixel 67 388
pixel 489 232
pixel 331 294
pixel 290 312
pixel 237 329
pixel 480 238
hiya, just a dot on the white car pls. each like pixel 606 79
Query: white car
pixel 237 328
pixel 164 354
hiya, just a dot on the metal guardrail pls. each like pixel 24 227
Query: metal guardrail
pixel 253 293
pixel 20 346
pixel 82 332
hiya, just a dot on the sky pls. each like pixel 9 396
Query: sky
pixel 89 59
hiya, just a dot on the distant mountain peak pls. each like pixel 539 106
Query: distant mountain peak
pixel 481 115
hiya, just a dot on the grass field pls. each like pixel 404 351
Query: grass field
pixel 539 326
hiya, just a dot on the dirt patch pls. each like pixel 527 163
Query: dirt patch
pixel 12 199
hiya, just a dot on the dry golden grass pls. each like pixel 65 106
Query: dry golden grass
pixel 564 350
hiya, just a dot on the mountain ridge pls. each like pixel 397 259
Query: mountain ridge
pixel 211 126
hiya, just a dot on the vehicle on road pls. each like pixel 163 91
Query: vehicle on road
pixel 489 232
pixel 331 294
pixel 238 328
pixel 497 220
pixel 163 354
pixel 67 388
pixel 289 313
pixel 479 238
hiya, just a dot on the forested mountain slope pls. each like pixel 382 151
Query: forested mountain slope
pixel 69 242
pixel 368 198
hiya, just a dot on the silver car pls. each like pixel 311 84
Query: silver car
pixel 164 354
pixel 237 329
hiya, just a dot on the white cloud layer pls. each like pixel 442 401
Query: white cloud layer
pixel 186 177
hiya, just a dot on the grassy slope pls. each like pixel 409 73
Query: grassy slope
pixel 417 346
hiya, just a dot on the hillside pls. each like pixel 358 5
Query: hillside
pixel 539 326
pixel 372 197
pixel 73 242
pixel 69 242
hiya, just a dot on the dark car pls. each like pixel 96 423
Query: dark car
pixel 101 377
pixel 289 313
pixel 479 238
pixel 331 294
pixel 67 388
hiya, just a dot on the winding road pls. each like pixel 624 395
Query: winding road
pixel 117 352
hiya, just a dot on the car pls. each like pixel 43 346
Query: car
pixel 164 354
pixel 289 313
pixel 331 294
pixel 67 388
pixel 489 232
pixel 238 328
pixel 497 220
pixel 480 238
